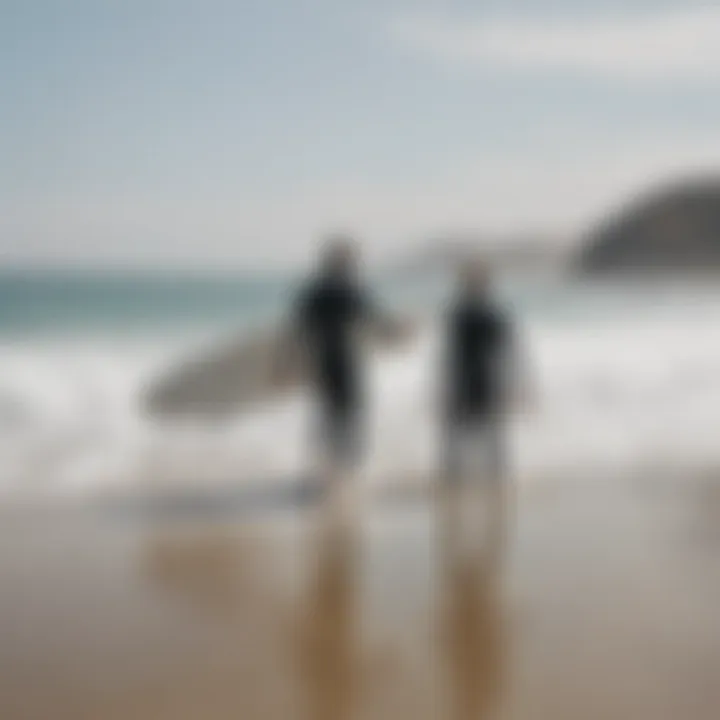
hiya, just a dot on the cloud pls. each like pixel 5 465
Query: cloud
pixel 680 46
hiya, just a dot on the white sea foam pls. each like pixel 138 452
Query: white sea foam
pixel 619 394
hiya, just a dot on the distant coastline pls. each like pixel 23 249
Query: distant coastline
pixel 673 228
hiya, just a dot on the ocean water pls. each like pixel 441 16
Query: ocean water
pixel 626 377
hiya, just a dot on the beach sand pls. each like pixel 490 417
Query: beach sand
pixel 605 605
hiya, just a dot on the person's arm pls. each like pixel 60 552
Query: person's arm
pixel 389 328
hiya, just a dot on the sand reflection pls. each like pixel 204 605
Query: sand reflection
pixel 211 570
pixel 473 638
pixel 329 630
pixel 308 642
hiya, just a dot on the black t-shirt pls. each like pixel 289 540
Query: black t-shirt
pixel 327 313
pixel 478 338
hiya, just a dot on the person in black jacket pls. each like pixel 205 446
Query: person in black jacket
pixel 480 373
pixel 328 316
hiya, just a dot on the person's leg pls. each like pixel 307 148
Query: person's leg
pixel 447 489
pixel 472 515
pixel 342 451
pixel 493 477
pixel 329 440
pixel 329 514
pixel 473 502
pixel 450 455
pixel 473 474
pixel 458 499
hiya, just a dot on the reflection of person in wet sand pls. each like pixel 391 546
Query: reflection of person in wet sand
pixel 471 630
pixel 328 634
pixel 212 571
pixel 223 578
pixel 310 653
pixel 228 645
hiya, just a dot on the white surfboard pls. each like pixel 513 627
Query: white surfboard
pixel 243 372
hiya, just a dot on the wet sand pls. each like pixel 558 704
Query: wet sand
pixel 603 605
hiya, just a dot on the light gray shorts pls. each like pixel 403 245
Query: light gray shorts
pixel 474 451
pixel 339 436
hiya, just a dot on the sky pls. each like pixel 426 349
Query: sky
pixel 235 134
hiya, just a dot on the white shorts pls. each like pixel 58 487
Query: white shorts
pixel 338 436
pixel 474 451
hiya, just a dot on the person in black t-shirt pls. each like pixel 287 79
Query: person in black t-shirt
pixel 328 315
pixel 479 367
pixel 479 377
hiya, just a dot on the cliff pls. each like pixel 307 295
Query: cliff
pixel 674 228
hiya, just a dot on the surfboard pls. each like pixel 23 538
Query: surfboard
pixel 247 370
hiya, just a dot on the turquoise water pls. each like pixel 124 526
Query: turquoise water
pixel 626 374
pixel 74 303
pixel 82 303
pixel 55 304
